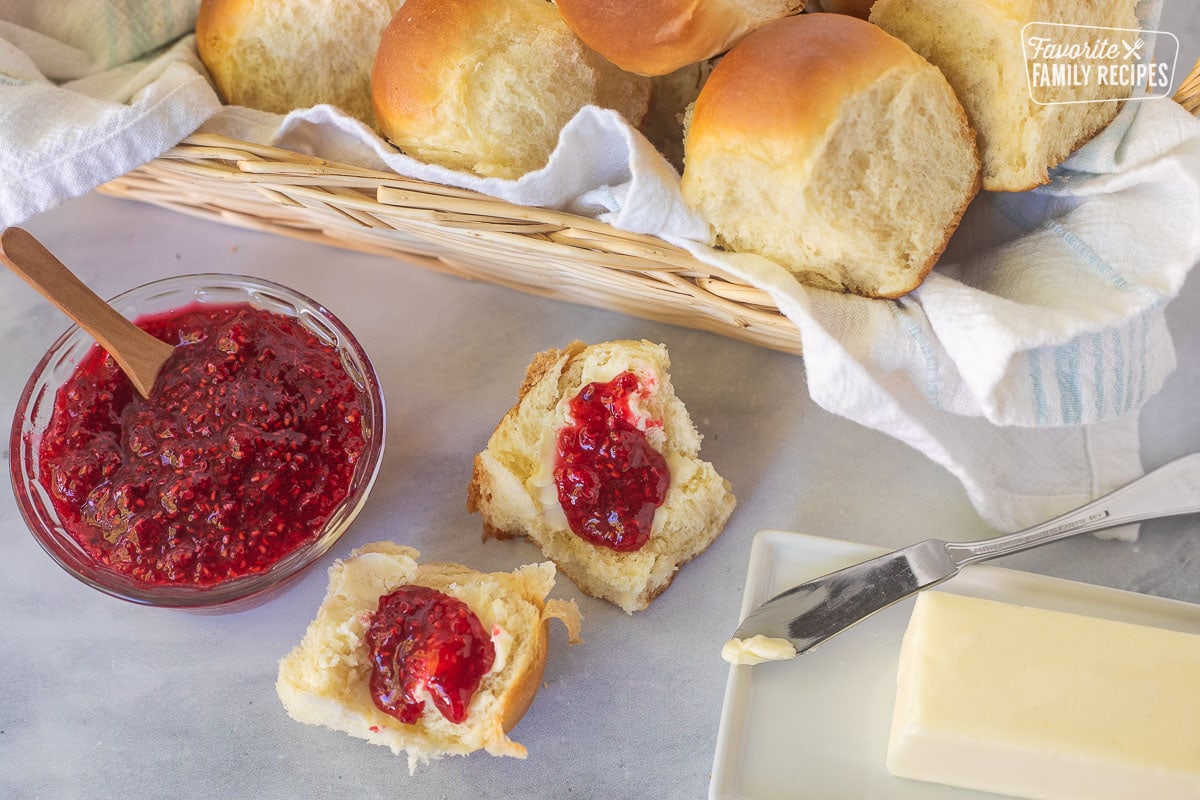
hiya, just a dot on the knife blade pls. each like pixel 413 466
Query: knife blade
pixel 810 613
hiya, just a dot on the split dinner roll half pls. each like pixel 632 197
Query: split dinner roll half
pixel 327 678
pixel 278 55
pixel 827 145
pixel 487 85
pixel 515 484
pixel 654 37
pixel 979 48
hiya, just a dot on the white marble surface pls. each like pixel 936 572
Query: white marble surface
pixel 103 699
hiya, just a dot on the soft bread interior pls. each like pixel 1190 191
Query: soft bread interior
pixel 867 209
pixel 978 47
pixel 325 679
pixel 512 485
pixel 891 183
pixel 279 55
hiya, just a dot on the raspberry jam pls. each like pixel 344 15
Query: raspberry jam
pixel 244 449
pixel 423 639
pixel 610 479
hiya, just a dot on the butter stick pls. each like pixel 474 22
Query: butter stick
pixel 1046 705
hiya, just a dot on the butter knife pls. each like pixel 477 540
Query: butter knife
pixel 808 614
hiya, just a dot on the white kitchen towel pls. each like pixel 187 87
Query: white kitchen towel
pixel 90 89
pixel 1019 365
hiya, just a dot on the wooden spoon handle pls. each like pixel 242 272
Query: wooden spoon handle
pixel 138 353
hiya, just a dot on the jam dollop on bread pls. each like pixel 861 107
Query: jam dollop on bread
pixel 392 634
pixel 598 464
pixel 610 479
pixel 426 642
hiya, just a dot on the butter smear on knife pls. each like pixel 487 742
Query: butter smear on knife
pixel 1044 704
pixel 757 649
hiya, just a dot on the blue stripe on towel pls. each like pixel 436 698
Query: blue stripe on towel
pixel 1098 265
pixel 922 342
pixel 1120 352
pixel 1143 357
pixel 1098 373
pixel 1039 390
pixel 1070 387
pixel 1133 349
pixel 1089 256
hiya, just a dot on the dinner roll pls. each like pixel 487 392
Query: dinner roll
pixel 829 146
pixel 278 55
pixel 327 678
pixel 977 46
pixel 520 479
pixel 486 85
pixel 654 37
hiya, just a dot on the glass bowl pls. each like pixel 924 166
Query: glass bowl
pixel 36 405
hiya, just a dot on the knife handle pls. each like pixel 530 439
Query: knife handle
pixel 1168 491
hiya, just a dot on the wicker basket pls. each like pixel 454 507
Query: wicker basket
pixel 535 250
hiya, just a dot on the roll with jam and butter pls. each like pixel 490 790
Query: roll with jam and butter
pixel 597 464
pixel 432 659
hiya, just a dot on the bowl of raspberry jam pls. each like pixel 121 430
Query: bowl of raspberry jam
pixel 252 455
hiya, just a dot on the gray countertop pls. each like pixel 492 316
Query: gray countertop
pixel 105 699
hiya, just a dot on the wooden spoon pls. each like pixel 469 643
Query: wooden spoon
pixel 139 354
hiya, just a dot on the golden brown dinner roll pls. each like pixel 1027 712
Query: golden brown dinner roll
pixel 977 45
pixel 486 85
pixel 277 55
pixel 326 679
pixel 612 547
pixel 829 146
pixel 654 37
